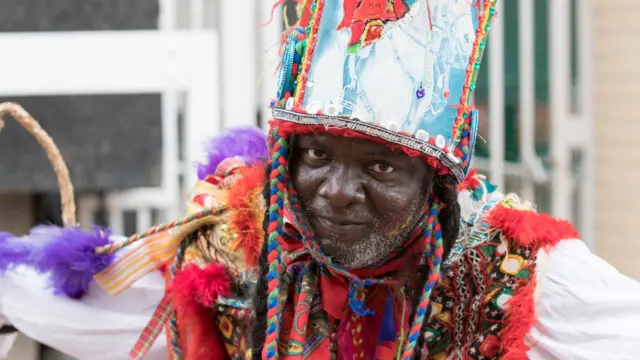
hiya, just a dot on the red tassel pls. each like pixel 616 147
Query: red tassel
pixel 470 182
pixel 194 290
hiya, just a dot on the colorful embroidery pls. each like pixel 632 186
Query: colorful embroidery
pixel 234 330
pixel 468 313
pixel 472 232
pixel 366 19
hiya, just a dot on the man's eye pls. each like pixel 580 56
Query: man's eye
pixel 314 154
pixel 382 168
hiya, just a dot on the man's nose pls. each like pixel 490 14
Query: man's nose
pixel 342 187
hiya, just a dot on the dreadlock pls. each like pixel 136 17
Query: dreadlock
pixel 258 333
pixel 444 189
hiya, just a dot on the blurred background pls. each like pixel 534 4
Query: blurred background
pixel 131 90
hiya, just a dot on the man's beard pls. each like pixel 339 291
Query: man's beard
pixel 381 242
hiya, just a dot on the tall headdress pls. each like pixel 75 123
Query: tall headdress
pixel 400 72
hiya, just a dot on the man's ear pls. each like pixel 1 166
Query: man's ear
pixel 430 179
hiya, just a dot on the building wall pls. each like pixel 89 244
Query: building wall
pixel 16 217
pixel 83 125
pixel 617 75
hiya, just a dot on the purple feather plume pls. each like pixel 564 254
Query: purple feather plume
pixel 246 142
pixel 70 258
pixel 67 255
pixel 12 252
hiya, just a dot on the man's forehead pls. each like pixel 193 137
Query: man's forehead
pixel 327 141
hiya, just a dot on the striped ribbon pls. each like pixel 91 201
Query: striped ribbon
pixel 163 243
pixel 152 330
pixel 156 250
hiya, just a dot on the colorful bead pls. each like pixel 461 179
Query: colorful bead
pixel 331 109
pixel 313 108
pixel 422 135
pixel 453 158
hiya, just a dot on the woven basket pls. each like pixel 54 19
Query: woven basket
pixel 53 153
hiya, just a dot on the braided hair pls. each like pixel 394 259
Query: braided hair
pixel 258 332
pixel 444 188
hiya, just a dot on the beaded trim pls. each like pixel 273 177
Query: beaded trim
pixel 312 36
pixel 344 122
pixel 473 69
pixel 474 231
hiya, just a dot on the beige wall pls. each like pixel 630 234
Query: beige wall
pixel 617 94
pixel 16 217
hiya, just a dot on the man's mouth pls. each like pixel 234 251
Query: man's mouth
pixel 339 226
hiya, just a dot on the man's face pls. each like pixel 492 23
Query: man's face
pixel 361 198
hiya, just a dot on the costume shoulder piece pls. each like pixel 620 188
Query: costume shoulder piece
pixel 484 306
pixel 211 254
pixel 208 256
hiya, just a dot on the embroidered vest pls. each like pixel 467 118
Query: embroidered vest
pixel 484 306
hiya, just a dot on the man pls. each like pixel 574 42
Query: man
pixel 377 242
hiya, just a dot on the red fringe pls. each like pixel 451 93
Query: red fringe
pixel 470 182
pixel 194 290
pixel 286 128
pixel 521 316
pixel 246 215
pixel 537 231
pixel 530 228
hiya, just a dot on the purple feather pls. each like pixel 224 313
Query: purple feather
pixel 12 252
pixel 67 255
pixel 246 142
pixel 69 258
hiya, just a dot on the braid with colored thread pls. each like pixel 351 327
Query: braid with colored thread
pixel 114 247
pixel 258 332
pixel 174 333
pixel 357 337
pixel 445 189
pixel 434 251
pixel 277 181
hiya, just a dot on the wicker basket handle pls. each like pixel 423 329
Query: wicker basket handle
pixel 53 153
